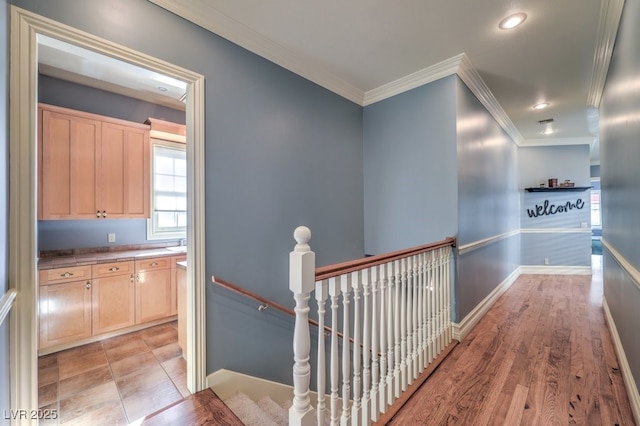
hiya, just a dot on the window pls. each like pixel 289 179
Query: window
pixel 596 218
pixel 168 191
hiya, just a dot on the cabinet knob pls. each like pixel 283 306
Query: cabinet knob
pixel 104 213
pixel 131 278
pixel 114 269
pixel 88 286
pixel 154 264
pixel 98 214
pixel 67 274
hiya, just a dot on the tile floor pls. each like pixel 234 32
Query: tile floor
pixel 115 381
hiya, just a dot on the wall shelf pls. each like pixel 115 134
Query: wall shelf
pixel 559 189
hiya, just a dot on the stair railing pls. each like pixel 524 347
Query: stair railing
pixel 401 322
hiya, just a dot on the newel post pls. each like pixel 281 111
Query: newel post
pixel 302 267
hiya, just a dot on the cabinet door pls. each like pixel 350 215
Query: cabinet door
pixel 113 303
pixel 68 171
pixel 153 295
pixel 174 282
pixel 124 171
pixel 64 312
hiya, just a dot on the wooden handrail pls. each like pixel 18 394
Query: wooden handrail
pixel 264 301
pixel 338 269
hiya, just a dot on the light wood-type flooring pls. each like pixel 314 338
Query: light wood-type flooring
pixel 541 356
pixel 116 381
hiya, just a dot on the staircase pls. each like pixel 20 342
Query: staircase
pixel 264 412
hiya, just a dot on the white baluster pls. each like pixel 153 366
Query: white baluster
pixel 345 281
pixel 448 287
pixel 357 385
pixel 420 334
pixel 321 378
pixel 383 340
pixel 414 313
pixel 403 325
pixel 301 282
pixel 443 303
pixel 438 303
pixel 396 331
pixel 391 365
pixel 366 344
pixel 409 358
pixel 375 366
pixel 430 305
pixel 334 293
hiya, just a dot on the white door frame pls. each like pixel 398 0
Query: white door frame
pixel 25 26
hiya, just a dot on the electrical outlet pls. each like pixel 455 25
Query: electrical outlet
pixel 546 260
pixel 111 237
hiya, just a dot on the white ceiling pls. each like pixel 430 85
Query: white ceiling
pixel 366 50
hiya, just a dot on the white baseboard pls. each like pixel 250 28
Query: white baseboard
pixel 555 270
pixel 460 330
pixel 629 382
pixel 226 382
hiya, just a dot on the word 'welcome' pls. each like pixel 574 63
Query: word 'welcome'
pixel 547 209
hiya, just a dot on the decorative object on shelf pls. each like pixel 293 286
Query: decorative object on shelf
pixel 548 209
pixel 553 182
pixel 567 184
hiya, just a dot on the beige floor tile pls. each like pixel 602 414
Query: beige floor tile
pixel 132 364
pixel 167 352
pixel 126 349
pixel 175 366
pixel 158 397
pixel 47 394
pixel 80 360
pixel 84 381
pixel 141 381
pixel 95 398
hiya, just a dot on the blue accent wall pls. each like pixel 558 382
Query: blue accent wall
pixel 488 202
pixel 620 179
pixel 5 391
pixel 280 152
pixel 67 234
pixel 410 168
pixel 564 238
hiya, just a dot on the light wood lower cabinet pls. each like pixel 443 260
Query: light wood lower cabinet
pixel 64 305
pixel 79 302
pixel 153 289
pixel 174 282
pixel 113 299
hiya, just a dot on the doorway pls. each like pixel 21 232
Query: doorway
pixel 25 28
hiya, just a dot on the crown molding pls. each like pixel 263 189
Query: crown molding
pixel 419 78
pixel 205 15
pixel 478 87
pixel 557 141
pixel 245 37
pixel 610 14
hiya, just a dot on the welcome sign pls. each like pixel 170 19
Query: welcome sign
pixel 548 209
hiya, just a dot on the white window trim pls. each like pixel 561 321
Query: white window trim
pixel 151 233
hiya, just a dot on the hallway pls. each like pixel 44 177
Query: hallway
pixel 541 355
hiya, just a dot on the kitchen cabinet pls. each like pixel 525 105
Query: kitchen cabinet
pixel 174 282
pixel 92 166
pixel 64 305
pixel 113 298
pixel 182 307
pixel 153 289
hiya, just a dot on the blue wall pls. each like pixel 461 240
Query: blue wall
pixel 67 234
pixel 5 401
pixel 620 179
pixel 280 152
pixel 488 202
pixel 410 168
pixel 560 238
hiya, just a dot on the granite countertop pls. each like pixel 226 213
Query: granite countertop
pixel 106 257
pixel 182 264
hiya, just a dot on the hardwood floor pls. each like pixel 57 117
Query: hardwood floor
pixel 542 355
pixel 115 381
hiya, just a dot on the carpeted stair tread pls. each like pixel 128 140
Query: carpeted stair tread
pixel 278 414
pixel 248 411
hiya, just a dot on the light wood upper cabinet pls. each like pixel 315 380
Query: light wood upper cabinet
pixel 92 166
pixel 69 159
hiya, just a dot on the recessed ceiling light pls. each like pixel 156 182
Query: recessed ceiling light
pixel 512 21
pixel 548 131
pixel 541 105
pixel 162 89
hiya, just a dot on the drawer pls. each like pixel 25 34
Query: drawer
pixel 61 275
pixel 153 264
pixel 111 269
